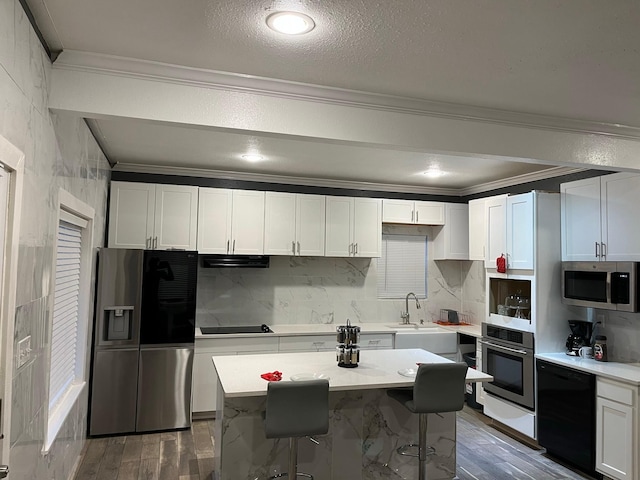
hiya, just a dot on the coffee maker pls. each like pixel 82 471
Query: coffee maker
pixel 580 336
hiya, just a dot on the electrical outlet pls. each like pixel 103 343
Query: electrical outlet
pixel 24 350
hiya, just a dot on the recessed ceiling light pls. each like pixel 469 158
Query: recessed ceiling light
pixel 290 23
pixel 252 157
pixel 433 173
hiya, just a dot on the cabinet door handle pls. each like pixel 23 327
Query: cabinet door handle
pixel 417 215
pixel 155 243
pixel 227 246
pixel 603 250
pixel 234 246
pixel 597 252
pixel 412 214
pixel 355 249
pixel 147 241
pixel 298 248
pixel 293 247
pixel 350 248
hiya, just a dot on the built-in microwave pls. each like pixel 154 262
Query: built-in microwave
pixel 604 285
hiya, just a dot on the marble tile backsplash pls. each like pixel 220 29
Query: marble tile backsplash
pixel 60 152
pixel 302 290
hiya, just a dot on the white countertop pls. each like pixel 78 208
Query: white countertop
pixel 624 372
pixel 316 329
pixel 240 375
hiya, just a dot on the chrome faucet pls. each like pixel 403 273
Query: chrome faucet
pixel 405 315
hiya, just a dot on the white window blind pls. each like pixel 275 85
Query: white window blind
pixel 402 266
pixel 64 335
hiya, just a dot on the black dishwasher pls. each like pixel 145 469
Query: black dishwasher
pixel 567 415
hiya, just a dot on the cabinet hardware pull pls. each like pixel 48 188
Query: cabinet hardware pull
pixel 227 246
pixel 350 248
pixel 155 243
pixel 603 250
pixel 597 253
pixel 417 214
pixel 234 246
pixel 514 350
pixel 147 241
pixel 355 249
pixel 293 247
pixel 412 214
pixel 298 248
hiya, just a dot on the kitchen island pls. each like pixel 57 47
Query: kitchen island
pixel 365 425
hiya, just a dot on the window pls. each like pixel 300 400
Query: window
pixel 70 317
pixel 402 266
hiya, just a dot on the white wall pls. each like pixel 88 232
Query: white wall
pixel 59 152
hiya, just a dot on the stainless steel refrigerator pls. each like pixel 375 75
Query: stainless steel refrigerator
pixel 143 341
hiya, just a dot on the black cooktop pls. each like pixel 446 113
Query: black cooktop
pixel 236 329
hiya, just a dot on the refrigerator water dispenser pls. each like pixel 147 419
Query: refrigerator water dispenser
pixel 118 323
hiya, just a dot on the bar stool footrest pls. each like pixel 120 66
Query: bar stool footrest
pixel 286 474
pixel 402 450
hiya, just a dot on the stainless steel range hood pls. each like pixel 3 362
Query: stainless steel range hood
pixel 236 261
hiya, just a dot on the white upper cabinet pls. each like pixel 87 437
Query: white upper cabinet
pixel 580 220
pixel 231 221
pixel 353 227
pixel 451 241
pixel 413 212
pixel 149 216
pixel 595 216
pixel 294 224
pixel 620 196
pixel 510 231
pixel 520 225
pixel 477 229
pixel 496 219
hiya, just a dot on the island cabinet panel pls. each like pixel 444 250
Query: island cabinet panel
pixel 149 216
pixel 617 429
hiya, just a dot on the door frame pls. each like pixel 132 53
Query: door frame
pixel 13 160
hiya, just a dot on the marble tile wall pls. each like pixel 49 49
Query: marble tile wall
pixel 302 290
pixel 60 152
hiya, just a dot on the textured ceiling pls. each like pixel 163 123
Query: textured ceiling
pixel 575 59
pixel 570 58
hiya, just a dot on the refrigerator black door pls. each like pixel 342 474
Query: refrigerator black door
pixel 168 297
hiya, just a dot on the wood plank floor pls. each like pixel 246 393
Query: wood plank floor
pixel 484 453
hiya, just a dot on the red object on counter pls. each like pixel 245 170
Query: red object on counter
pixel 272 376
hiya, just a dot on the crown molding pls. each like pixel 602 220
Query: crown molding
pixel 163 72
pixel 345 184
pixel 519 180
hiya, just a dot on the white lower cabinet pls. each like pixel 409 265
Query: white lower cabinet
pixel 617 429
pixel 204 378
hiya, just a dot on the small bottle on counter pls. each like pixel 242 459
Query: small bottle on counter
pixel 600 348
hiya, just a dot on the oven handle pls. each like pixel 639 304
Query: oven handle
pixel 500 347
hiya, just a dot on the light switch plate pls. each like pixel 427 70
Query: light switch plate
pixel 24 350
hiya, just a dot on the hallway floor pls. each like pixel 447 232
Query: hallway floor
pixel 484 453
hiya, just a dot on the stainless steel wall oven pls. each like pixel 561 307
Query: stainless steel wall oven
pixel 508 355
